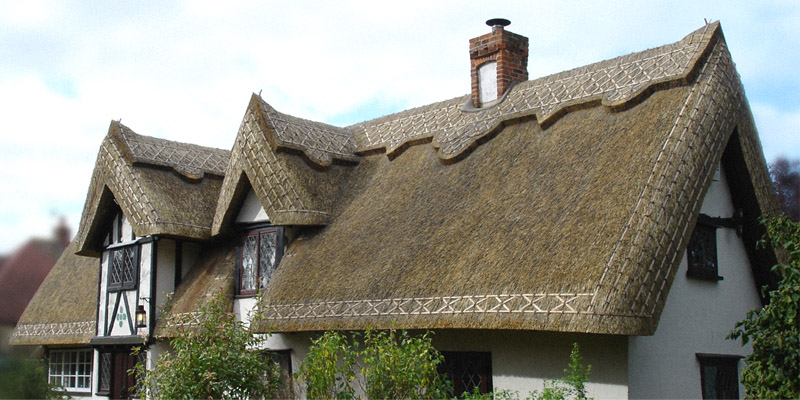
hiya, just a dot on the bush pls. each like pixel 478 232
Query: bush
pixel 393 365
pixel 773 368
pixel 214 359
pixel 22 378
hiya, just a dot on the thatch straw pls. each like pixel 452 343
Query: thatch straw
pixel 63 310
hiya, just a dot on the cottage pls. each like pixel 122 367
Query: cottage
pixel 614 205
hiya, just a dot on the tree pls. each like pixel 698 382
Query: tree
pixel 773 368
pixel 213 359
pixel 393 365
pixel 785 176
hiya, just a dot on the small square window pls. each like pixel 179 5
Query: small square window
pixel 719 376
pixel 702 253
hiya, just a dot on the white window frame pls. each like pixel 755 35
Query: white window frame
pixel 69 368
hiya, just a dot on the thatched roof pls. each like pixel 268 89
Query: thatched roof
pixel 63 310
pixel 212 276
pixel 566 207
pixel 279 157
pixel 163 187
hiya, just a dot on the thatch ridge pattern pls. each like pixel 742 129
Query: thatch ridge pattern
pixel 320 142
pixel 167 153
pixel 613 82
pixel 282 196
pixel 59 329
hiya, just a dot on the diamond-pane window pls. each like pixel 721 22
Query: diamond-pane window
pixel 261 252
pixel 468 370
pixel 702 252
pixel 105 372
pixel 123 268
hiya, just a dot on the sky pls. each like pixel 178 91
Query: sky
pixel 185 70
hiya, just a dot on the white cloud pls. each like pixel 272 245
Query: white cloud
pixel 779 131
pixel 185 70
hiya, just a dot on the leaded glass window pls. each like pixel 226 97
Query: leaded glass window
pixel 702 252
pixel 105 372
pixel 260 254
pixel 468 371
pixel 123 267
pixel 719 376
pixel 70 369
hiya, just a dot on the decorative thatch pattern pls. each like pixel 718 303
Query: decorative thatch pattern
pixel 155 200
pixel 63 310
pixel 578 224
pixel 320 142
pixel 292 192
pixel 179 156
pixel 615 82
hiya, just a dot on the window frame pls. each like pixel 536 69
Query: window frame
pixel 70 369
pixel 123 284
pixel 257 231
pixel 702 257
pixel 719 361
pixel 457 361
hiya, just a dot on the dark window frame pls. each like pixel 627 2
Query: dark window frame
pixel 701 252
pixel 124 283
pixel 257 232
pixel 726 373
pixel 284 360
pixel 458 363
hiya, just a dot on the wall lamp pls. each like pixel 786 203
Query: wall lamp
pixel 141 314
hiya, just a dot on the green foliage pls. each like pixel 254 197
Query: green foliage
pixel 573 385
pixel 773 369
pixel 399 366
pixel 393 365
pixel 328 369
pixel 214 359
pixel 22 378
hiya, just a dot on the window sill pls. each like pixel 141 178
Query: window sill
pixel 705 276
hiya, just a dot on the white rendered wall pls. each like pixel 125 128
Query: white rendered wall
pixel 165 267
pixel 523 360
pixel 251 210
pixel 697 316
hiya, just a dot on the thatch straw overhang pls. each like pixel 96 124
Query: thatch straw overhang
pixel 63 310
pixel 567 207
pixel 162 187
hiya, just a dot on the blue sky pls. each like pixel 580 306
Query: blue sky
pixel 184 70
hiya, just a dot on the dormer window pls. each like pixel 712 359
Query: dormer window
pixel 259 255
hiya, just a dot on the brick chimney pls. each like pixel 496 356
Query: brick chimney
pixel 498 60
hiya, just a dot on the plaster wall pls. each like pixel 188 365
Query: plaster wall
pixel 251 210
pixel 697 316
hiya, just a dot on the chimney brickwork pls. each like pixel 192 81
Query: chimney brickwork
pixel 508 49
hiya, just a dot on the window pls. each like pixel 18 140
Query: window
pixel 468 370
pixel 105 373
pixel 719 376
pixel 284 360
pixel 70 369
pixel 260 254
pixel 123 268
pixel 702 252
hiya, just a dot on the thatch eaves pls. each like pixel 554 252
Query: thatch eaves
pixel 163 187
pixel 63 310
pixel 566 207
